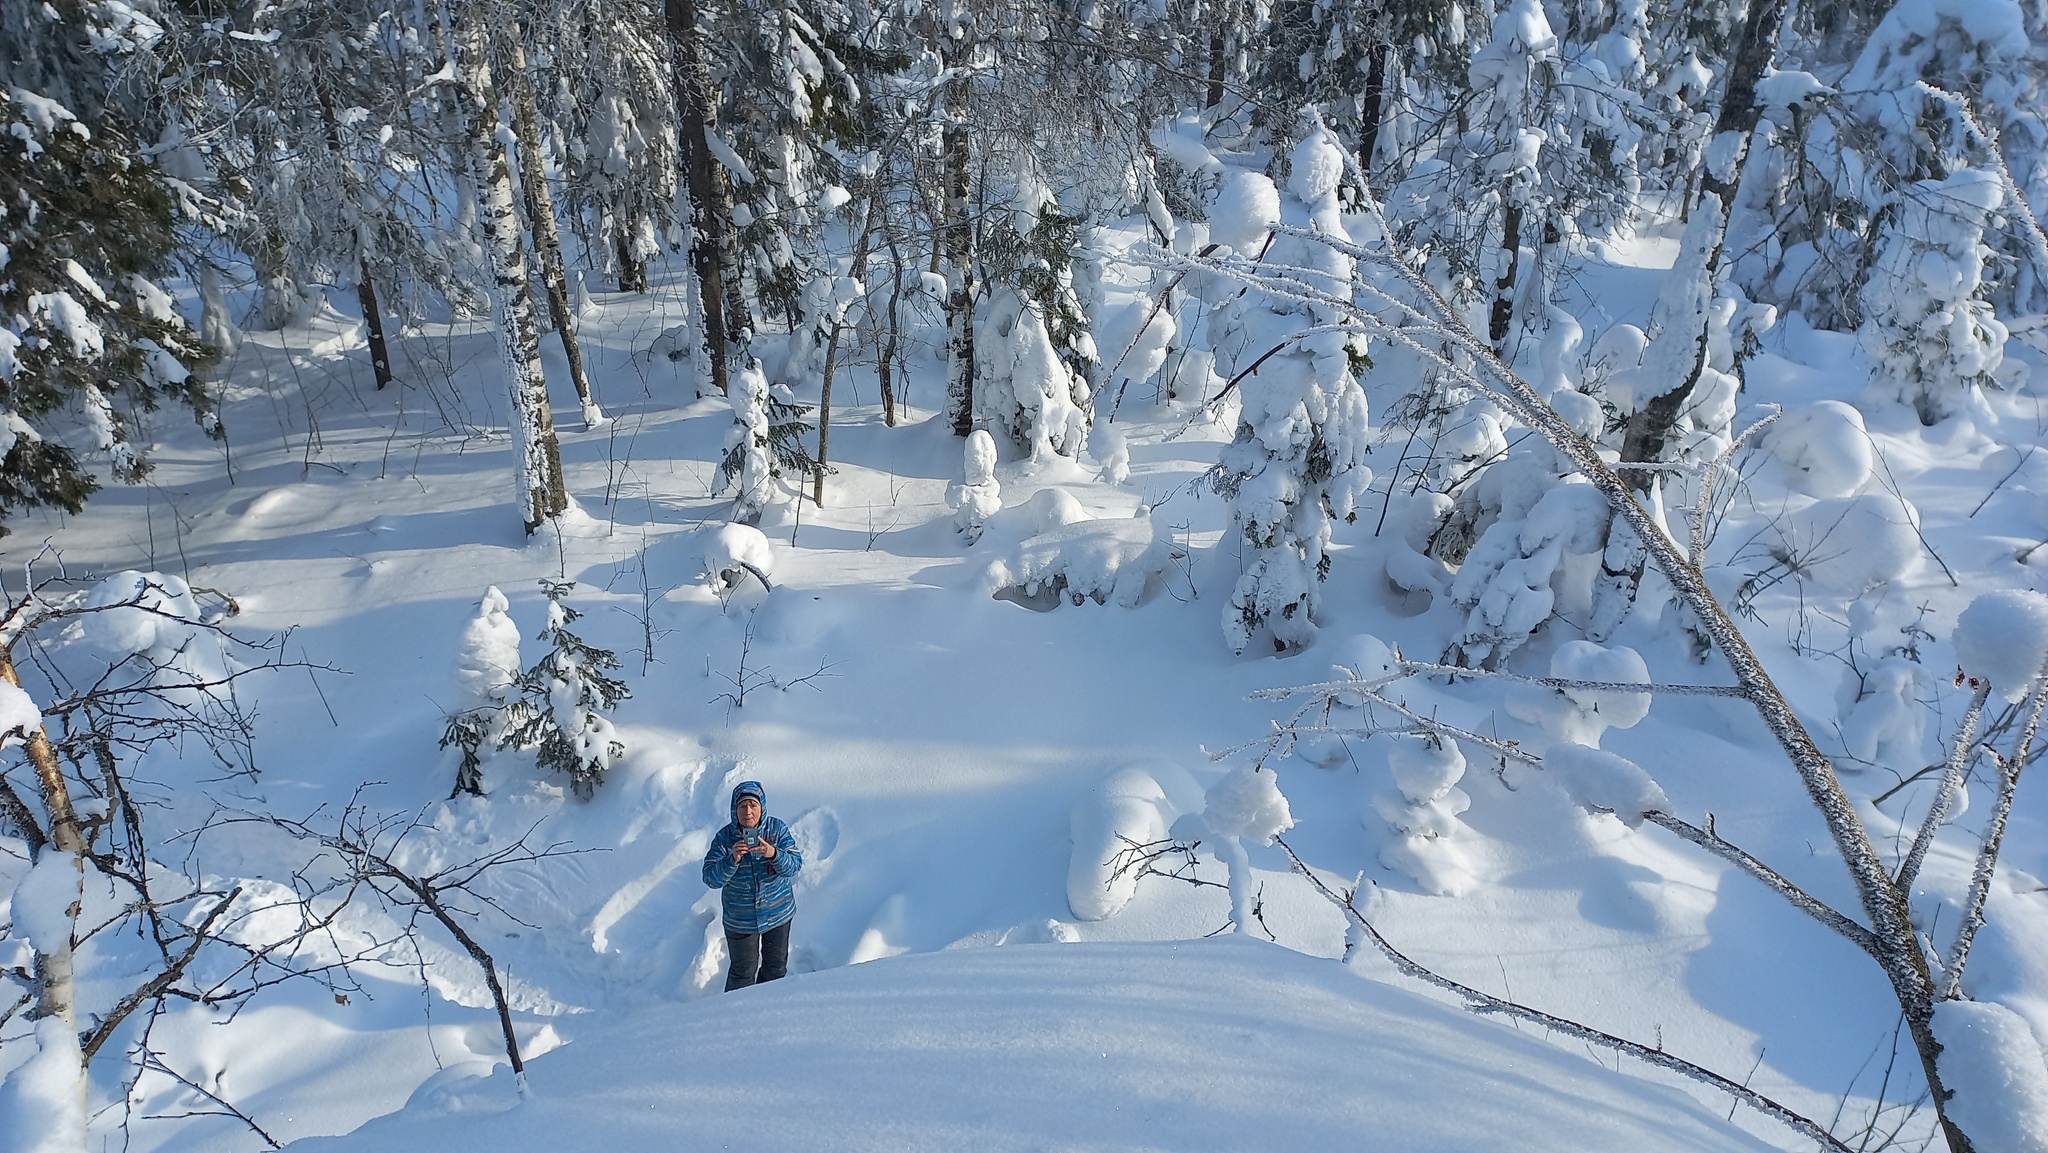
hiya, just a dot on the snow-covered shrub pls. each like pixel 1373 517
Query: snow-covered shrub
pixel 1023 389
pixel 732 554
pixel 1112 452
pixel 1297 462
pixel 1990 1055
pixel 1605 782
pixel 2002 638
pixel 976 496
pixel 1925 324
pixel 1104 560
pixel 763 446
pixel 560 703
pixel 1124 812
pixel 1882 718
pixel 486 666
pixel 1246 208
pixel 1411 525
pixel 1246 805
pixel 1505 584
pixel 1581 714
pixel 1423 813
pixel 1820 449
pixel 148 613
pixel 1849 544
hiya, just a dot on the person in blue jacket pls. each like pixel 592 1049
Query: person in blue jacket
pixel 753 860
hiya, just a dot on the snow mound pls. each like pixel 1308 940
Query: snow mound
pixel 732 553
pixel 1850 544
pixel 1126 810
pixel 140 612
pixel 1990 1058
pixel 1103 560
pixel 1248 803
pixel 1579 714
pixel 1223 1044
pixel 2003 638
pixel 1820 449
pixel 1605 782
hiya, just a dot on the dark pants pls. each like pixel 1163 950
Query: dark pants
pixel 757 957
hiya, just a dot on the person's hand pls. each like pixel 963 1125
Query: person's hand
pixel 739 849
pixel 766 848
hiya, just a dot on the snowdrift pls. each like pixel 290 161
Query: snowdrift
pixel 1221 1044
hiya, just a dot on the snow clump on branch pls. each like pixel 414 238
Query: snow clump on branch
pixel 2003 638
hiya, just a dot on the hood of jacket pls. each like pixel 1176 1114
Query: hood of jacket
pixel 749 789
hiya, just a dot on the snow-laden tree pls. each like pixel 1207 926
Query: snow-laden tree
pixel 486 668
pixel 558 707
pixel 1297 462
pixel 612 107
pixel 1033 351
pixel 89 342
pixel 764 447
pixel 1926 325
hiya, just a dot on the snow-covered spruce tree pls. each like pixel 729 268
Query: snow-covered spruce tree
pixel 1511 79
pixel 558 706
pixel 764 445
pixel 1033 351
pixel 722 323
pixel 1925 323
pixel 88 342
pixel 1297 462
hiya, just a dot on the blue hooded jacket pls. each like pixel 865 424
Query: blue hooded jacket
pixel 756 893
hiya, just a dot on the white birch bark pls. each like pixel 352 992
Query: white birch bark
pixel 542 493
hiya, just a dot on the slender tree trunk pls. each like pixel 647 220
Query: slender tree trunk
pixel 632 270
pixel 542 492
pixel 1372 108
pixel 540 216
pixel 886 362
pixel 825 418
pixel 959 254
pixel 710 195
pixel 1219 62
pixel 366 290
pixel 1503 314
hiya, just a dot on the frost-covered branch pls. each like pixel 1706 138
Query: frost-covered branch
pixel 1944 793
pixel 2009 768
pixel 1489 1005
pixel 1710 840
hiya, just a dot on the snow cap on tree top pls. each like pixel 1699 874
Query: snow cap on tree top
pixel 2003 638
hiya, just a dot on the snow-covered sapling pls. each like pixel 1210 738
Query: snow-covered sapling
pixel 1246 805
pixel 560 703
pixel 1423 813
pixel 764 445
pixel 977 496
pixel 486 667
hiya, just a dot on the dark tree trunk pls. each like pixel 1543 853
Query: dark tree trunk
pixel 366 290
pixel 710 196
pixel 540 221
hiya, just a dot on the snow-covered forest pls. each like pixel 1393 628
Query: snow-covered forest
pixel 1424 574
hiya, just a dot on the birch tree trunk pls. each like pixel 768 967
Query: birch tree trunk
pixel 542 493
pixel 959 243
pixel 55 974
pixel 710 195
pixel 547 239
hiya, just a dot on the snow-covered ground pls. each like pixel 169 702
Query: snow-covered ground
pixel 1223 1044
pixel 930 741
